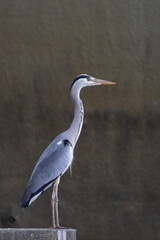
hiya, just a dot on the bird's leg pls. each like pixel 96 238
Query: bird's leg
pixel 56 207
pixel 53 209
pixel 54 204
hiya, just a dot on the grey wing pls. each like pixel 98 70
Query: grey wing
pixel 52 164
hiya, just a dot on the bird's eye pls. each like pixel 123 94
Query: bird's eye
pixel 89 78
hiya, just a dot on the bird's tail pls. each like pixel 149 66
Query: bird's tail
pixel 30 196
pixel 24 201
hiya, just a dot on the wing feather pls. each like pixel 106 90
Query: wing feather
pixel 52 164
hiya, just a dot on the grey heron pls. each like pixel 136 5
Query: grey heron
pixel 58 156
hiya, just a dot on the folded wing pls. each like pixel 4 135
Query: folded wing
pixel 53 163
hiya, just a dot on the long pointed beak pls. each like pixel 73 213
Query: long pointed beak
pixel 100 81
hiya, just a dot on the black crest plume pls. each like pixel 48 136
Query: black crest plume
pixel 79 77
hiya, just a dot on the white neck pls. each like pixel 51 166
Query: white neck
pixel 76 125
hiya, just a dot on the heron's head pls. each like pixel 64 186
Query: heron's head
pixel 85 80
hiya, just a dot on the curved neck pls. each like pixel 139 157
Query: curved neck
pixel 76 125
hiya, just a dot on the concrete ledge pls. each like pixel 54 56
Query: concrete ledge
pixel 37 234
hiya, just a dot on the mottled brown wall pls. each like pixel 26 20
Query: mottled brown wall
pixel 114 192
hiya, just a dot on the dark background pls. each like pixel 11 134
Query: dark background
pixel 114 191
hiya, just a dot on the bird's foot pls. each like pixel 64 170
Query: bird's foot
pixel 61 227
pixel 58 227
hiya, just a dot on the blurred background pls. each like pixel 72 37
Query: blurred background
pixel 114 191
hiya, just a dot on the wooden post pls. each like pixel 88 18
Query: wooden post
pixel 37 234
